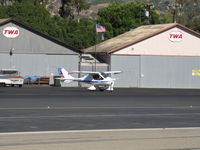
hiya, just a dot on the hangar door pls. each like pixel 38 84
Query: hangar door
pixel 157 71
pixel 130 67
pixel 170 72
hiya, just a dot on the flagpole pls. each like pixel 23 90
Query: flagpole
pixel 95 53
pixel 100 29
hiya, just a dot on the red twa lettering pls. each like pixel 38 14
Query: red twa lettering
pixel 5 31
pixel 16 32
pixel 11 32
pixel 176 36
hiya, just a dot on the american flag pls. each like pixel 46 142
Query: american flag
pixel 100 28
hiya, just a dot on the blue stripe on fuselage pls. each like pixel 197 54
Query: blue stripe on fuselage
pixel 103 82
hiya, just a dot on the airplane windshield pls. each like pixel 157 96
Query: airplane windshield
pixel 97 77
pixel 104 75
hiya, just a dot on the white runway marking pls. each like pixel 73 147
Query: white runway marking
pixel 102 130
pixel 99 115
pixel 100 107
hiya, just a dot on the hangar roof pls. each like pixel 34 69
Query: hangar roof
pixel 133 36
pixel 8 20
pixel 4 20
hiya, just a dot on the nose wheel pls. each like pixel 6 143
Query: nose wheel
pixel 92 88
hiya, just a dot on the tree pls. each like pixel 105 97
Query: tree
pixel 80 5
pixel 6 2
pixel 70 7
pixel 123 17
pixel 66 10
pixel 183 10
pixel 194 24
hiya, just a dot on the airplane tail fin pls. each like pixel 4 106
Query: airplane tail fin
pixel 63 72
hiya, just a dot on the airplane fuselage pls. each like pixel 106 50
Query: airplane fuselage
pixel 97 80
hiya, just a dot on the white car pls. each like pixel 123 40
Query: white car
pixel 5 82
pixel 10 77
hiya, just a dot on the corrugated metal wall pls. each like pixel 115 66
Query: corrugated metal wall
pixel 156 71
pixel 130 67
pixel 38 64
pixel 92 67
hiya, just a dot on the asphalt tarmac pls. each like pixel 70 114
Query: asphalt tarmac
pixel 57 109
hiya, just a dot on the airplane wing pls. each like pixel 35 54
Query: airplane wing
pixel 112 72
pixel 74 79
pixel 95 72
pixel 84 72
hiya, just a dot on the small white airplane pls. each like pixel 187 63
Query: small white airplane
pixel 98 80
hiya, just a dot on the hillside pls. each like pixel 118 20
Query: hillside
pixel 191 6
pixel 155 2
pixel 53 6
pixel 160 5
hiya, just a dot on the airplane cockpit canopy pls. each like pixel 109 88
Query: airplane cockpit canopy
pixel 105 75
pixel 97 77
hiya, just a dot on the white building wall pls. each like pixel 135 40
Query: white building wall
pixel 162 45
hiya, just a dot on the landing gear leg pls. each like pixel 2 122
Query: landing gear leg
pixel 110 88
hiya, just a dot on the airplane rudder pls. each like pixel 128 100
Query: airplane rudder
pixel 60 71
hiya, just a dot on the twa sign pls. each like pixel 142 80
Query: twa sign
pixel 11 32
pixel 176 36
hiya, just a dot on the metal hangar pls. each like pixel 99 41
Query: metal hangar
pixel 32 52
pixel 153 56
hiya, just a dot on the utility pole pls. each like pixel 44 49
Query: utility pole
pixel 148 12
pixel 174 7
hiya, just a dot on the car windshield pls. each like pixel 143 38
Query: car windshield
pixel 8 72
